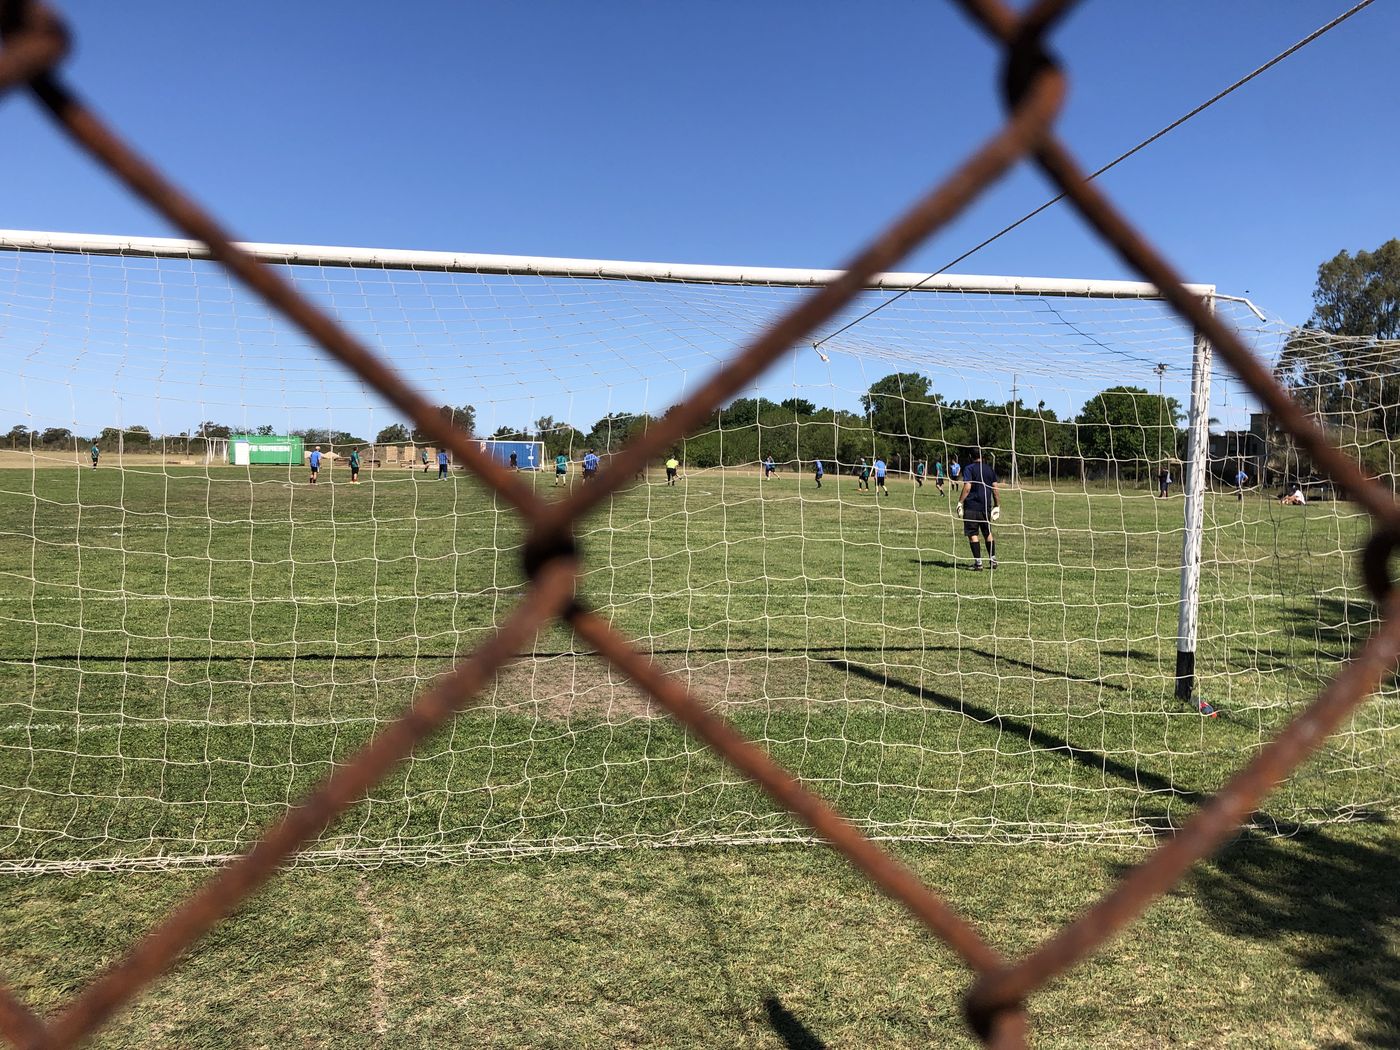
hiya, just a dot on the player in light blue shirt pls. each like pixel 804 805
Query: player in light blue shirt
pixel 590 465
pixel 817 471
pixel 880 476
pixel 442 464
pixel 315 463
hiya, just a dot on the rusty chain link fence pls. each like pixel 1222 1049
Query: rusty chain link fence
pixel 35 42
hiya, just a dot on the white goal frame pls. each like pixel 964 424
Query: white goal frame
pixel 611 269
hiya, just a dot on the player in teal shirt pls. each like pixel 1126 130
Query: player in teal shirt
pixel 561 468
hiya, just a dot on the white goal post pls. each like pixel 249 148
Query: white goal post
pixel 195 642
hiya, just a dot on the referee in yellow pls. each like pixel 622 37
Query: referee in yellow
pixel 672 465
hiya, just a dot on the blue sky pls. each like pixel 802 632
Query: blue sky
pixel 755 133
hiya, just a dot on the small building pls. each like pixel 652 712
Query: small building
pixel 266 449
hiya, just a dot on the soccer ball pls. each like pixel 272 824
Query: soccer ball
pixel 996 513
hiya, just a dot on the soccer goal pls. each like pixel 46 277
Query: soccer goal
pixel 193 639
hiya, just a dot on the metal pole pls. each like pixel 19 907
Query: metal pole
pixel 1197 450
pixel 1013 429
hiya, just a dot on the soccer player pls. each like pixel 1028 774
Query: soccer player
pixel 938 475
pixel 590 465
pixel 94 452
pixel 424 456
pixel 315 463
pixel 1240 479
pixel 514 461
pixel 817 471
pixel 920 469
pixel 880 477
pixel 354 466
pixel 1294 496
pixel 862 473
pixel 672 466
pixel 442 464
pixel 561 469
pixel 979 504
pixel 954 470
pixel 768 467
pixel 1164 481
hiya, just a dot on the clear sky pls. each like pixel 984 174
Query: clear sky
pixel 724 132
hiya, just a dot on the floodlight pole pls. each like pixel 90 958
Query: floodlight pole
pixel 1197 452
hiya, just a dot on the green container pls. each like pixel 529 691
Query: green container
pixel 256 449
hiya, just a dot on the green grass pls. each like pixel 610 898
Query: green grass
pixel 186 651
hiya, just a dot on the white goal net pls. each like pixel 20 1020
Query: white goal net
pixel 194 633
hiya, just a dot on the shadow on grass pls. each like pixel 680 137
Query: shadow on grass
pixel 63 660
pixel 794 1034
pixel 1334 902
pixel 1096 760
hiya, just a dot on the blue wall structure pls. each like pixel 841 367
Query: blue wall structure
pixel 529 454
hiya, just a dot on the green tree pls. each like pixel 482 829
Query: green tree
pixel 19 435
pixel 904 414
pixel 1344 364
pixel 462 416
pixel 798 406
pixel 1124 426
pixel 393 434
pixel 266 430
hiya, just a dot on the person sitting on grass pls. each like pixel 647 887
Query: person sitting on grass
pixel 1294 496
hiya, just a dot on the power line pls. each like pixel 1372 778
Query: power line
pixel 1113 163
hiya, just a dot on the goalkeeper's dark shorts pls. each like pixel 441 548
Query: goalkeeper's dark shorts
pixel 975 520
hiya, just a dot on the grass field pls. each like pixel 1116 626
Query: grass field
pixel 186 650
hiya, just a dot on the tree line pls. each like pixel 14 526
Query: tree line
pixel 1123 430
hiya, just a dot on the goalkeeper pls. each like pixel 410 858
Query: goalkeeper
pixel 979 505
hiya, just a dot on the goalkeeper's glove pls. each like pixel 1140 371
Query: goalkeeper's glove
pixel 958 510
pixel 996 513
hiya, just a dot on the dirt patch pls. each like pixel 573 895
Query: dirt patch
pixel 570 685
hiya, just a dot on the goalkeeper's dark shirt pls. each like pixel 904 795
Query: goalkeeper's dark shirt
pixel 979 499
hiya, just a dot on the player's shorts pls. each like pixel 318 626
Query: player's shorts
pixel 975 520
pixel 589 472
pixel 670 472
pixel 559 473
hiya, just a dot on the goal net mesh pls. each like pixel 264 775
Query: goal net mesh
pixel 193 636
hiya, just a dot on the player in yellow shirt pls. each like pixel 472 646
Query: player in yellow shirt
pixel 672 465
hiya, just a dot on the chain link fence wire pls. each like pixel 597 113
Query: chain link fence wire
pixel 33 44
